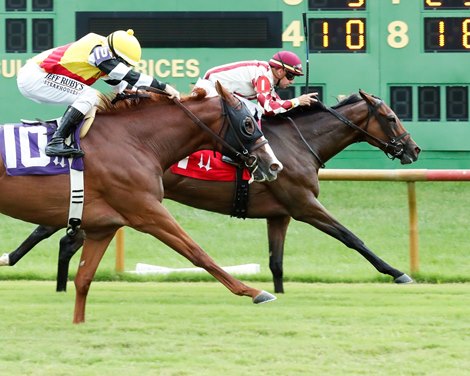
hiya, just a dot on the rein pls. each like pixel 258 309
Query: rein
pixel 244 155
pixel 322 164
pixel 392 149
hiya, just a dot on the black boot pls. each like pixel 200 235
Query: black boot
pixel 57 146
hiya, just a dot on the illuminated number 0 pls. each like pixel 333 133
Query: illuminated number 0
pixel 466 33
pixel 397 37
pixel 360 30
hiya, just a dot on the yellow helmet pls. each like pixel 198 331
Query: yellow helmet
pixel 125 45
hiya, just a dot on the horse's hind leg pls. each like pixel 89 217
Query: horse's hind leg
pixel 69 245
pixel 277 229
pixel 93 251
pixel 39 234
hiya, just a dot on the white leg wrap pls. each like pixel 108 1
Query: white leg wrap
pixel 5 259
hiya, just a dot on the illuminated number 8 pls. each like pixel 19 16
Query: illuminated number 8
pixel 466 33
pixel 397 37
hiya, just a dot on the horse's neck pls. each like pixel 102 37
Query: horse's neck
pixel 180 136
pixel 337 135
pixel 327 135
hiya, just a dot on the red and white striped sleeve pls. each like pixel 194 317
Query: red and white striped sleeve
pixel 269 100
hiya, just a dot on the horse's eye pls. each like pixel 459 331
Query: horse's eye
pixel 391 118
pixel 249 125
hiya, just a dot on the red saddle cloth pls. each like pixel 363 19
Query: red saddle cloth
pixel 205 166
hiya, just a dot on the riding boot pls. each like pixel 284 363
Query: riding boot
pixel 57 145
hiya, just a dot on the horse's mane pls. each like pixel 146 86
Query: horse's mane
pixel 142 98
pixel 353 98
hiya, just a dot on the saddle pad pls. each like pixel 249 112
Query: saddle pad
pixel 204 165
pixel 22 150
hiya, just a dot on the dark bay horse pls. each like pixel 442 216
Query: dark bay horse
pixel 303 141
pixel 127 150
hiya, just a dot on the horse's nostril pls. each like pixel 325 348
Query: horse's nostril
pixel 276 167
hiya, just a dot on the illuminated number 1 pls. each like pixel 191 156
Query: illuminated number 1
pixel 466 32
pixel 360 30
pixel 325 34
pixel 442 30
pixel 356 4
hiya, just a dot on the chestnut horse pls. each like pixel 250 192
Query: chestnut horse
pixel 303 140
pixel 127 150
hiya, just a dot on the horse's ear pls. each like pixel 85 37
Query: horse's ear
pixel 220 89
pixel 367 97
pixel 225 94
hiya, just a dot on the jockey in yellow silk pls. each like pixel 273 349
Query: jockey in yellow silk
pixel 64 75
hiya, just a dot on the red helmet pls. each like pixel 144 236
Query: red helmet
pixel 287 60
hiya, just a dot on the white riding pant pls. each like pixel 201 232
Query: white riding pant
pixel 211 91
pixel 42 87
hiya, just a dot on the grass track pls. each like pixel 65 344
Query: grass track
pixel 201 329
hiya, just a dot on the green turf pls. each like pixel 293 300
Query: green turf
pixel 377 212
pixel 201 329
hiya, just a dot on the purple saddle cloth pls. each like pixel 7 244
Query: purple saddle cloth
pixel 22 149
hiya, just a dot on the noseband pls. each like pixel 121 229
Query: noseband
pixel 394 148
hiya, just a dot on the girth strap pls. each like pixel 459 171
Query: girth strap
pixel 240 198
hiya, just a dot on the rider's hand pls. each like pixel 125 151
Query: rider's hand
pixel 172 91
pixel 307 99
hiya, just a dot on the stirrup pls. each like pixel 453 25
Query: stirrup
pixel 63 150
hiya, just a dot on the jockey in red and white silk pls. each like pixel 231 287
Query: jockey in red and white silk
pixel 257 81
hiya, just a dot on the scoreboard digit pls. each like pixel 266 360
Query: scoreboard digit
pixel 412 53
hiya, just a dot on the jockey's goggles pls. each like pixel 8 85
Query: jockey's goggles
pixel 289 75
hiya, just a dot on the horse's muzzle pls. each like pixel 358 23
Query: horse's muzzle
pixel 410 153
pixel 260 175
pixel 268 166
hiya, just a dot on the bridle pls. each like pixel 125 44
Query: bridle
pixel 238 135
pixel 394 148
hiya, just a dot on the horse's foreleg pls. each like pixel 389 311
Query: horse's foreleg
pixel 165 228
pixel 277 229
pixel 323 221
pixel 93 251
pixel 69 245
pixel 40 233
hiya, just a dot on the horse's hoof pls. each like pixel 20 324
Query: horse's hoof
pixel 263 297
pixel 404 278
pixel 5 259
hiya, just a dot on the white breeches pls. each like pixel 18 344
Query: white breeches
pixel 43 87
